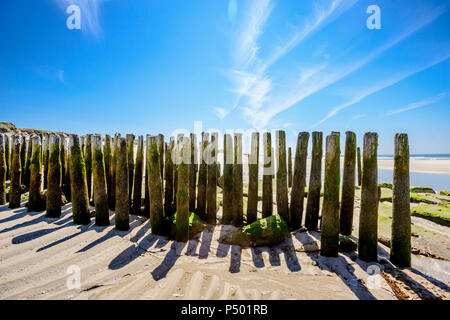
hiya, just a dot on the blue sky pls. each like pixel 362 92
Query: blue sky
pixel 156 66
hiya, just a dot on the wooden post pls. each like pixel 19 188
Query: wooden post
pixel 193 172
pixel 169 177
pixel 62 159
pixel 160 144
pixel 348 184
pixel 138 173
pixel 359 166
pixel 146 212
pixel 237 182
pixel 290 167
pixel 130 159
pixel 157 220
pixel 180 138
pixel 183 165
pixel 108 168
pixel 2 170
pixel 253 164
pixel 211 186
pixel 8 156
pixel 228 159
pixel 35 201
pixel 88 161
pixel 78 183
pixel 66 184
pixel 329 237
pixel 282 195
pixel 99 182
pixel 26 170
pixel 315 183
pixel 23 156
pixel 16 172
pixel 53 202
pixel 115 154
pixel 45 154
pixel 122 213
pixel 202 177
pixel 267 196
pixel 368 217
pixel 299 181
pixel 401 215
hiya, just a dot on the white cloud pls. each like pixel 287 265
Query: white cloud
pixel 419 104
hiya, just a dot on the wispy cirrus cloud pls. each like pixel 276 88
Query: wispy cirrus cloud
pixel 90 15
pixel 419 104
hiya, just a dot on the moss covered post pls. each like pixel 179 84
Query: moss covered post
pixel 130 159
pixel 202 177
pixel 122 213
pixel 35 201
pixel 78 183
pixel 146 212
pixel 299 181
pixel 178 145
pixel 182 215
pixel 138 173
pixel 329 237
pixel 2 170
pixel 315 182
pixel 99 182
pixel 348 184
pixel 169 177
pixel 227 207
pixel 157 220
pixel 107 154
pixel 401 215
pixel 23 157
pixel 290 167
pixel 358 151
pixel 267 195
pixel 8 156
pixel 160 144
pixel 45 154
pixel 238 214
pixel 66 184
pixel 62 159
pixel 211 186
pixel 16 172
pixel 193 172
pixel 88 162
pixel 114 170
pixel 253 164
pixel 26 170
pixel 368 217
pixel 281 175
pixel 53 202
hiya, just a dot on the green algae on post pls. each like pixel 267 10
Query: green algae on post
pixel 53 201
pixel 193 172
pixel 401 216
pixel 182 214
pixel 8 156
pixel 62 159
pixel 253 164
pixel 26 170
pixel 329 237
pixel 237 182
pixel 160 145
pixel 211 186
pixel 45 154
pixel 202 177
pixel 348 184
pixel 78 183
pixel 16 172
pixel 290 167
pixel 299 181
pixel 228 159
pixel 267 195
pixel 130 158
pixel 2 170
pixel 107 154
pixel 88 163
pixel 368 217
pixel 122 212
pixel 146 212
pixel 66 184
pixel 138 172
pixel 169 177
pixel 35 200
pixel 281 175
pixel 315 182
pixel 23 156
pixel 157 220
pixel 359 165
pixel 100 193
pixel 114 170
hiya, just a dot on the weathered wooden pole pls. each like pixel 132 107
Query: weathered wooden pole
pixel 130 159
pixel 253 163
pixel 183 165
pixel 157 220
pixel 299 181
pixel 53 201
pixel 329 236
pixel 169 177
pixel 99 182
pixel 281 175
pixel 211 186
pixel 26 170
pixel 16 172
pixel 267 196
pixel 107 154
pixel 359 166
pixel 228 159
pixel 193 172
pixel 180 138
pixel 290 167
pixel 368 217
pixel 160 144
pixel 23 157
pixel 88 162
pixel 115 154
pixel 146 212
pixel 62 159
pixel 315 182
pixel 122 212
pixel 66 184
pixel 348 184
pixel 35 201
pixel 78 183
pixel 8 156
pixel 45 154
pixel 2 170
pixel 202 177
pixel 238 206
pixel 401 215
pixel 138 173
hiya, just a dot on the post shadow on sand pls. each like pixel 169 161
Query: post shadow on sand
pixel 171 257
pixel 20 213
pixel 205 246
pixel 222 248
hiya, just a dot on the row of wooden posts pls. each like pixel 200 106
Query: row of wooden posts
pixel 180 178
